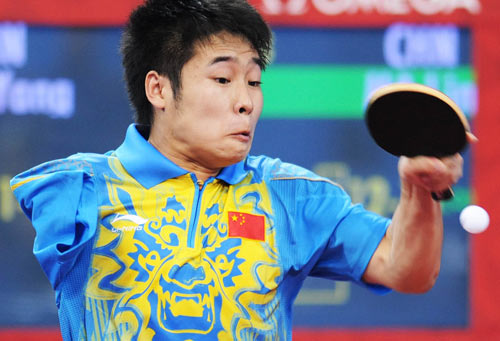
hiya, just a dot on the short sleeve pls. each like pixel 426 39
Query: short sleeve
pixel 62 205
pixel 344 234
pixel 351 246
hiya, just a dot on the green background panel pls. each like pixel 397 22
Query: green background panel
pixel 309 91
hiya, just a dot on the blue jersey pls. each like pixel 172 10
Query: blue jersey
pixel 136 250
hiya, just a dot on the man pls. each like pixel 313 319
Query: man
pixel 179 234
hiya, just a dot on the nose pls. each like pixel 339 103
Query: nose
pixel 243 103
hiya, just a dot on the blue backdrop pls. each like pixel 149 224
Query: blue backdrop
pixel 61 92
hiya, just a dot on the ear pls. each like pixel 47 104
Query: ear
pixel 158 90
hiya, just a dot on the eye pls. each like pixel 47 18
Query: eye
pixel 221 80
pixel 255 83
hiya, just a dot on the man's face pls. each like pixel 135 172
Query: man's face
pixel 212 123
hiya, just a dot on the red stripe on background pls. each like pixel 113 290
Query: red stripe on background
pixel 394 335
pixel 112 13
pixel 303 334
pixel 485 251
pixel 68 12
pixel 485 254
pixel 30 334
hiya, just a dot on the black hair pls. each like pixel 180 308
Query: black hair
pixel 161 35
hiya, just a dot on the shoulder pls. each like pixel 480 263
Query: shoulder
pixel 84 162
pixel 61 171
pixel 275 170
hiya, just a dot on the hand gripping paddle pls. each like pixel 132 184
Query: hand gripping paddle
pixel 413 119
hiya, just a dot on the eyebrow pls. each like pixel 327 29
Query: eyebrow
pixel 221 59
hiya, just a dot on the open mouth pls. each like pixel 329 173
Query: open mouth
pixel 180 303
pixel 181 309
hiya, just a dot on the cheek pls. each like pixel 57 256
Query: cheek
pixel 258 104
pixel 212 103
pixel 257 97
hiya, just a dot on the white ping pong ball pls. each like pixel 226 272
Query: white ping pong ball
pixel 474 219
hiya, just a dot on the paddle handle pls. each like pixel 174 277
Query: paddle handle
pixel 447 194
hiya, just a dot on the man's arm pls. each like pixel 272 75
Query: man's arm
pixel 409 256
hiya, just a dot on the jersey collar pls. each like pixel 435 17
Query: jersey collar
pixel 148 166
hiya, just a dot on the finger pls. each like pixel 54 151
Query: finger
pixel 454 164
pixel 425 165
pixel 421 171
pixel 431 173
pixel 471 138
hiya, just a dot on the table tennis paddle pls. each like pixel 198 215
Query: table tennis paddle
pixel 413 119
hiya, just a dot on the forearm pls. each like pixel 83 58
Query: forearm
pixel 415 236
pixel 409 256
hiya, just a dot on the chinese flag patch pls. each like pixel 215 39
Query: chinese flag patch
pixel 246 225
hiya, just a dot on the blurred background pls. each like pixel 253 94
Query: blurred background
pixel 61 92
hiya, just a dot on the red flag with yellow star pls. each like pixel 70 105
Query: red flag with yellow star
pixel 246 225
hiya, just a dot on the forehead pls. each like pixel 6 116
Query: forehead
pixel 223 44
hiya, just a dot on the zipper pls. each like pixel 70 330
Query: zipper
pixel 193 224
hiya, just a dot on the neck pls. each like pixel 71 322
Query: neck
pixel 202 173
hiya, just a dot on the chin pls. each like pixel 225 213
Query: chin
pixel 228 160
